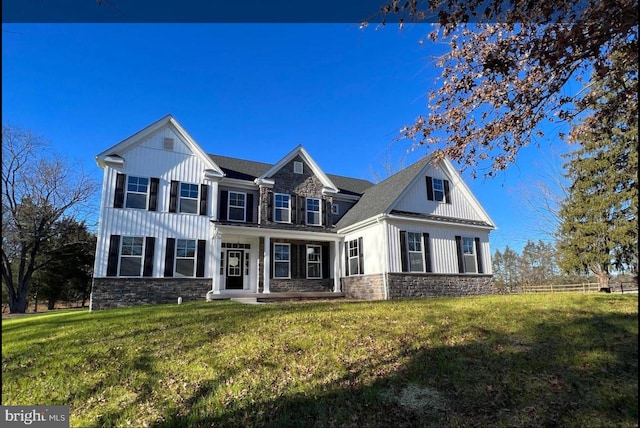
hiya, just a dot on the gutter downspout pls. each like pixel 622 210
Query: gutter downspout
pixel 385 285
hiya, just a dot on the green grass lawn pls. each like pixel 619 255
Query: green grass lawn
pixel 567 360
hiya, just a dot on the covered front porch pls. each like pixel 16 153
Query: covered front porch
pixel 253 261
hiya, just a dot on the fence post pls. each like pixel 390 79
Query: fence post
pixel 584 288
pixel 552 288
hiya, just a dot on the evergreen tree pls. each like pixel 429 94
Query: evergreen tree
pixel 599 220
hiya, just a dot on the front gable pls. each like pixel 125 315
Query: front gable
pixel 162 146
pixel 438 191
pixel 296 168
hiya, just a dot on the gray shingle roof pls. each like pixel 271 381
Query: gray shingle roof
pixel 378 199
pixel 249 170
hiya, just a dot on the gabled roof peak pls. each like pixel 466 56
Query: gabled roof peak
pixel 329 186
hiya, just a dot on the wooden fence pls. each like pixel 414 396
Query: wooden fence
pixel 587 287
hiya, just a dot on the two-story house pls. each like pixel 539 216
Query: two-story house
pixel 178 222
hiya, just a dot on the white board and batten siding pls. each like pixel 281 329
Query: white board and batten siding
pixel 444 256
pixel 149 159
pixel 463 204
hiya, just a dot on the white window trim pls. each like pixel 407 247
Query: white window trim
pixel 146 193
pixel 244 208
pixel 421 252
pixel 473 254
pixel 275 208
pixel 444 196
pixel 306 211
pixel 194 258
pixel 120 256
pixel 298 167
pixel 180 197
pixel 281 261
pixel 319 262
pixel 357 257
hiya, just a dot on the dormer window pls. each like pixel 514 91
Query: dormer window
pixel 438 190
pixel 298 167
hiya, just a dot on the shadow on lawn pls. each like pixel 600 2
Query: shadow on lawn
pixel 498 380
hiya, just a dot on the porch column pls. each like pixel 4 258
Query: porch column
pixel 217 249
pixel 336 266
pixel 266 264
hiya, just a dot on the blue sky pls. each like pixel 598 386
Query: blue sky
pixel 253 91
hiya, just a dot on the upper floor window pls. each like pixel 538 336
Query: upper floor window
pixel 185 257
pixel 298 167
pixel 131 256
pixel 237 206
pixel 438 189
pixel 137 190
pixel 281 261
pixel 335 209
pixel 314 212
pixel 188 198
pixel 314 261
pixel 282 207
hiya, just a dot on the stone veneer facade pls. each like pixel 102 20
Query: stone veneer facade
pixel 109 293
pixel 402 285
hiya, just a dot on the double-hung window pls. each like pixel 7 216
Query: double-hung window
pixel 137 191
pixel 415 248
pixel 188 198
pixel 131 256
pixel 314 261
pixel 281 261
pixel 469 255
pixel 237 206
pixel 314 212
pixel 438 190
pixel 354 256
pixel 282 208
pixel 185 257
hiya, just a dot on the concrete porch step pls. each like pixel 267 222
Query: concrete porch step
pixel 275 297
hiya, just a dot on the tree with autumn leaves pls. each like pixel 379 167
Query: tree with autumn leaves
pixel 512 70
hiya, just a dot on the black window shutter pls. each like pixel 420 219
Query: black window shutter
pixel 204 198
pixel 295 218
pixel 154 183
pixel 459 251
pixel 447 194
pixel 479 255
pixel 429 188
pixel 270 206
pixel 249 208
pixel 325 261
pixel 118 199
pixel 202 245
pixel 427 253
pixel 224 202
pixel 361 256
pixel 404 254
pixel 149 249
pixel 328 217
pixel 114 252
pixel 294 261
pixel 346 258
pixel 173 196
pixel 169 256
